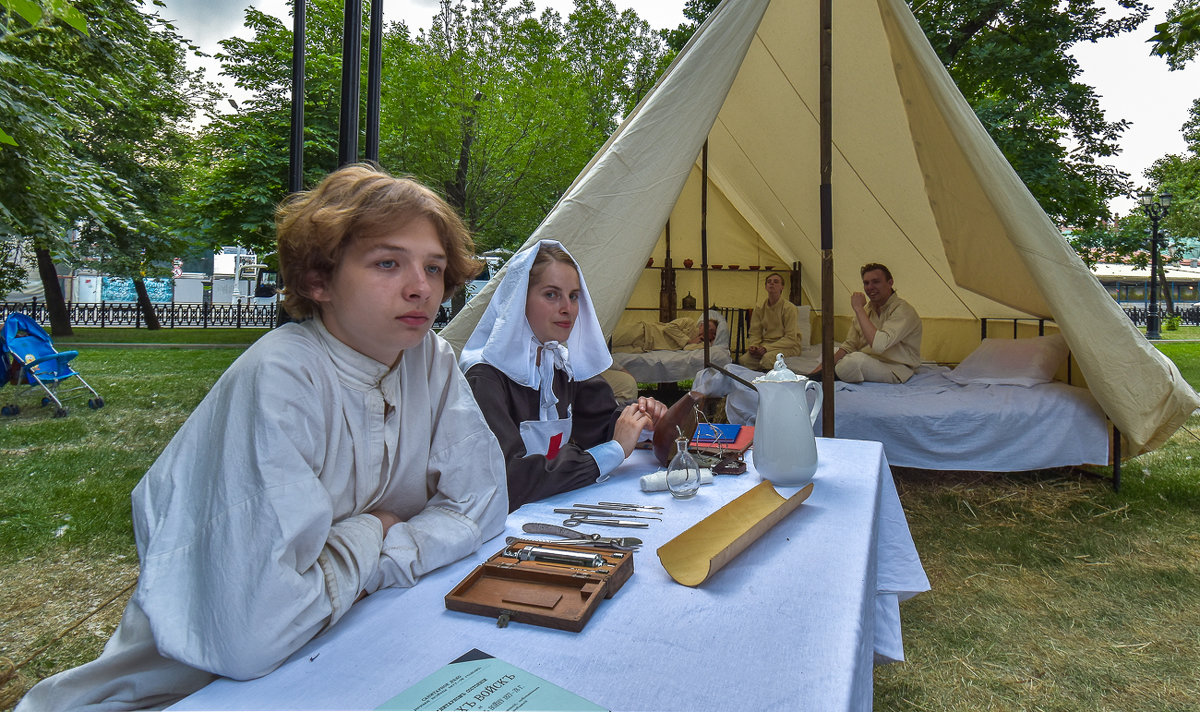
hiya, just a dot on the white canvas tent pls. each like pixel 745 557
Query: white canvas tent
pixel 917 185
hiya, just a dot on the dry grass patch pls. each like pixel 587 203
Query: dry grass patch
pixel 42 597
pixel 1052 592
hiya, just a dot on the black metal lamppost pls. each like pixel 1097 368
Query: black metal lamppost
pixel 1155 209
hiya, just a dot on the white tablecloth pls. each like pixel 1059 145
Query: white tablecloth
pixel 795 622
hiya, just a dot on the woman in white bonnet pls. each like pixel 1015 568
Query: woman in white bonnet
pixel 534 363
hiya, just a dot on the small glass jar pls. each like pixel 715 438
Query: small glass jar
pixel 683 474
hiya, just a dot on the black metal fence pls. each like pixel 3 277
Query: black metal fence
pixel 1189 316
pixel 124 314
pixel 258 316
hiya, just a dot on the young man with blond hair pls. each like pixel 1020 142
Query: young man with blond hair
pixel 337 456
pixel 774 329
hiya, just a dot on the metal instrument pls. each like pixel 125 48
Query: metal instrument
pixel 619 507
pixel 560 556
pixel 578 538
pixel 581 513
pixel 576 521
pixel 626 543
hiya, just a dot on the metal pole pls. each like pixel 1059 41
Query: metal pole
pixel 374 75
pixel 296 155
pixel 826 195
pixel 1152 322
pixel 351 63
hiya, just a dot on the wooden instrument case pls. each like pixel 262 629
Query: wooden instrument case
pixel 548 594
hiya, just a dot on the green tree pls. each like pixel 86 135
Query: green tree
pixel 490 105
pixel 96 138
pixel 239 170
pixel 1178 39
pixel 1010 59
pixel 143 138
pixel 696 11
pixel 1128 238
pixel 501 109
pixel 616 55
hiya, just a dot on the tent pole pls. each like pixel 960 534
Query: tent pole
pixel 704 262
pixel 704 242
pixel 666 298
pixel 827 417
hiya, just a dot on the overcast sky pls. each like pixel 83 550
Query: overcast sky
pixel 1132 85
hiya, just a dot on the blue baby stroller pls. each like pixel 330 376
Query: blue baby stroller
pixel 31 359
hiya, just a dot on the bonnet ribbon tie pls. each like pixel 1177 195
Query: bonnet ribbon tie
pixel 557 357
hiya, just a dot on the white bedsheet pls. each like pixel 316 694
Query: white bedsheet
pixel 932 423
pixel 665 366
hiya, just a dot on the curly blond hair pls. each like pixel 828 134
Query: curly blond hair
pixel 358 201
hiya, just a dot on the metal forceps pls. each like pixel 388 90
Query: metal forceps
pixel 619 507
pixel 577 513
pixel 576 520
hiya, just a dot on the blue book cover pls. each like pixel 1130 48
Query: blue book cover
pixel 716 433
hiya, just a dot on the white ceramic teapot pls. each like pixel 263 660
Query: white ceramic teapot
pixel 785 450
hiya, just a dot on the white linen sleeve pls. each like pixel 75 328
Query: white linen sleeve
pixel 232 522
pixel 470 492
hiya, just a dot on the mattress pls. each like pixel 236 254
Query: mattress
pixel 932 423
pixel 666 366
pixel 677 365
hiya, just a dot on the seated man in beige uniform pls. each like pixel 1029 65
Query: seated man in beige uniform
pixel 683 333
pixel 774 329
pixel 884 343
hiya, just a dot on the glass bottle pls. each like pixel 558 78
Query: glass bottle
pixel 683 474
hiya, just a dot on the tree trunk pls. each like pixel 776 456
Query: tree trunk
pixel 143 298
pixel 456 191
pixel 56 306
pixel 1166 289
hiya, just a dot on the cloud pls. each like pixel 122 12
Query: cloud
pixel 207 22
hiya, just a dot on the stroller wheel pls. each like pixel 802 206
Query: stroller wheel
pixel 60 413
pixel 9 410
pixel 96 403
pixel 45 402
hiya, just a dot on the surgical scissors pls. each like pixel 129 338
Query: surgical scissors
pixel 577 519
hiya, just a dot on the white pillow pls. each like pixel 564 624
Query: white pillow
pixel 802 314
pixel 1016 362
pixel 722 338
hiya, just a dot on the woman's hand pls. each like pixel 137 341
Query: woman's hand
pixel 656 409
pixel 629 426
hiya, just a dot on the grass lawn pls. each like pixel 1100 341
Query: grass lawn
pixel 129 335
pixel 1182 333
pixel 1050 591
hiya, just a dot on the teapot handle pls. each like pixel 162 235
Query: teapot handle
pixel 815 411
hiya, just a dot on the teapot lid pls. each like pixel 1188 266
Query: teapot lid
pixel 780 374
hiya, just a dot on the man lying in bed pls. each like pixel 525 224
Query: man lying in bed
pixel 884 343
pixel 684 333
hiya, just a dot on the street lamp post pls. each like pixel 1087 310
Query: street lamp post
pixel 1155 209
